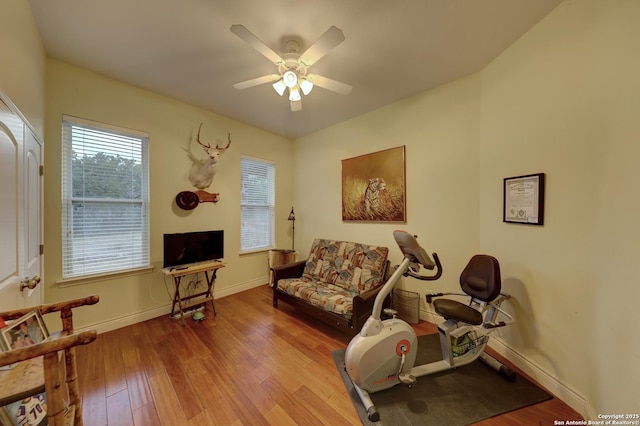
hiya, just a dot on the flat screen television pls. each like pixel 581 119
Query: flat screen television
pixel 192 247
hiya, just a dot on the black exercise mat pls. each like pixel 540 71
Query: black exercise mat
pixel 462 396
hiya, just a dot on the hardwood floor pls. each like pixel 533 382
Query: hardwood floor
pixel 250 365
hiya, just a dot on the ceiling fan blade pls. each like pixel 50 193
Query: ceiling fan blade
pixel 256 81
pixel 296 105
pixel 329 84
pixel 256 43
pixel 323 45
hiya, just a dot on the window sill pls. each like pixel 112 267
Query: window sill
pixel 255 251
pixel 88 279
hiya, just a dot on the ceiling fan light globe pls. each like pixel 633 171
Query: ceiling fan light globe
pixel 279 87
pixel 290 79
pixel 294 94
pixel 306 86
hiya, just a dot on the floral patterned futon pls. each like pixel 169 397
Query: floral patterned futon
pixel 335 272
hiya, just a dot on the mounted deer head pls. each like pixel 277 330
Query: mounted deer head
pixel 202 171
pixel 212 152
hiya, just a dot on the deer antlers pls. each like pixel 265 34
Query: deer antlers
pixel 208 146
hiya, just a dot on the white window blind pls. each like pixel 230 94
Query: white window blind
pixel 257 204
pixel 105 199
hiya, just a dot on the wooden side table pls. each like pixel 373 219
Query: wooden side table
pixel 210 269
pixel 279 257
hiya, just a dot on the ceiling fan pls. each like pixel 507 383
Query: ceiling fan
pixel 293 66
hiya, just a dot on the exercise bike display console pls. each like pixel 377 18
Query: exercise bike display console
pixel 383 354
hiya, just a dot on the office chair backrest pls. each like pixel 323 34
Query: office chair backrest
pixel 481 278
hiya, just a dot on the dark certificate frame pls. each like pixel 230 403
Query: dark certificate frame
pixel 523 199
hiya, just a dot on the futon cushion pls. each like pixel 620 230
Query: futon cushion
pixel 324 296
pixel 351 266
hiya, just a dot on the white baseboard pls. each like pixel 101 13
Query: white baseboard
pixel 560 390
pixel 228 291
pixel 116 323
pixel 430 316
pixel 124 321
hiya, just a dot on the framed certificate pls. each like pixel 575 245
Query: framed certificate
pixel 523 200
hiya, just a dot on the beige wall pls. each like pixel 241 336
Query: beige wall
pixel 22 57
pixel 440 132
pixel 564 101
pixel 171 126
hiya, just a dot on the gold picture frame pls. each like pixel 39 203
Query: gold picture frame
pixel 374 187
pixel 25 331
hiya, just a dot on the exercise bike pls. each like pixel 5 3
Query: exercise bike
pixel 383 354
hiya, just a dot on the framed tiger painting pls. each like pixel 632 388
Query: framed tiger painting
pixel 374 187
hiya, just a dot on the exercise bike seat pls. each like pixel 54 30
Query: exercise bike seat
pixel 454 310
pixel 481 280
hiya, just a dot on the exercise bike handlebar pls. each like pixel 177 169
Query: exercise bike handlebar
pixel 418 256
pixel 437 275
pixel 410 248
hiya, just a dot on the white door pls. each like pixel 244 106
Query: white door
pixel 34 261
pixel 20 213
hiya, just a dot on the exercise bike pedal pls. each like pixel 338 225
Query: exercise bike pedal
pixel 390 313
pixel 407 379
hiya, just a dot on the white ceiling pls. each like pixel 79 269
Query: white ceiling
pixel 184 49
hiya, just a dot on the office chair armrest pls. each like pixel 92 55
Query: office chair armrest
pixel 492 324
pixel 501 298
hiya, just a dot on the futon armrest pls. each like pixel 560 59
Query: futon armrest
pixel 369 294
pixel 290 270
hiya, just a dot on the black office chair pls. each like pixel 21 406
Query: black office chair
pixel 480 280
pixel 467 326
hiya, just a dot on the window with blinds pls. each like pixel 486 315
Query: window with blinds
pixel 257 204
pixel 105 199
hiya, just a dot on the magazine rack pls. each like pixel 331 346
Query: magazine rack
pixel 41 368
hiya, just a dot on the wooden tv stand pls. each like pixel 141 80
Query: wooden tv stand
pixel 210 269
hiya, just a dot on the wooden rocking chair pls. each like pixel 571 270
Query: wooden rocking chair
pixel 47 366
